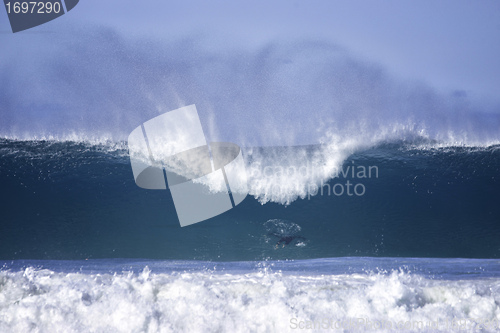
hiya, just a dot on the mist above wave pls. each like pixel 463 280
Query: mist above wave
pixel 103 85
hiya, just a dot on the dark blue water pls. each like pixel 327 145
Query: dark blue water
pixel 63 200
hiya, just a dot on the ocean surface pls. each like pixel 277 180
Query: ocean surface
pixel 401 236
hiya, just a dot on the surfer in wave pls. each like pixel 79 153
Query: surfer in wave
pixel 285 231
pixel 285 240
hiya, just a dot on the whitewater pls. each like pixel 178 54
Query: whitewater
pixel 341 295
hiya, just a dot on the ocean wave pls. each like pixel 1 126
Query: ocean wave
pixel 280 94
pixel 272 174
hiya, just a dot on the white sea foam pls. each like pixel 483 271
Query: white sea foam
pixel 40 300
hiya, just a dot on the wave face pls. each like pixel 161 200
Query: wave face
pixel 345 295
pixel 69 200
